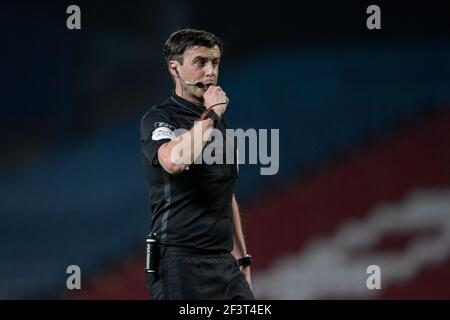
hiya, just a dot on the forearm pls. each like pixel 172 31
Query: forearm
pixel 239 248
pixel 181 152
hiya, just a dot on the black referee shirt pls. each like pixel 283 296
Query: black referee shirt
pixel 193 208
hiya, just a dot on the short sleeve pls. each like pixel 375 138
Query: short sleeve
pixel 157 128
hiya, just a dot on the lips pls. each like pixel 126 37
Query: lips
pixel 209 82
pixel 206 85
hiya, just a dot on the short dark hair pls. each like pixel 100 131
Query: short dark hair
pixel 184 39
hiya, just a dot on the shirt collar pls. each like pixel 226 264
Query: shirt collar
pixel 186 104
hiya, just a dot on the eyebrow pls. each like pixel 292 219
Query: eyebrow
pixel 205 58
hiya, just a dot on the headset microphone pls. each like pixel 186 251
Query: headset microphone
pixel 194 84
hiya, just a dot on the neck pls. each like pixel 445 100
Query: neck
pixel 182 93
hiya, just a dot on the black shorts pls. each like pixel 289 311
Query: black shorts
pixel 206 277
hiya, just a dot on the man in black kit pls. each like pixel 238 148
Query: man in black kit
pixel 195 214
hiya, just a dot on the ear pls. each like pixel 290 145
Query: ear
pixel 173 68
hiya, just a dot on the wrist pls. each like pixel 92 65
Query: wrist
pixel 218 108
pixel 209 123
pixel 245 261
pixel 211 114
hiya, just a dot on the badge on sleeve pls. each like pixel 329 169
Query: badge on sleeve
pixel 163 131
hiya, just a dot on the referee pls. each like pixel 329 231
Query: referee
pixel 195 214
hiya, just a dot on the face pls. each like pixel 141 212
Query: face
pixel 199 64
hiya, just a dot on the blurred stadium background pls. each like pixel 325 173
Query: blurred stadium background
pixel 364 123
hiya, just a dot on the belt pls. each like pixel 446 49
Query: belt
pixel 170 249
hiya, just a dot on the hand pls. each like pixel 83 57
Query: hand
pixel 246 272
pixel 215 95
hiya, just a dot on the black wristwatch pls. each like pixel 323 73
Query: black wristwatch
pixel 245 261
pixel 212 115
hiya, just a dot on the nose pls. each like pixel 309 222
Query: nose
pixel 209 70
